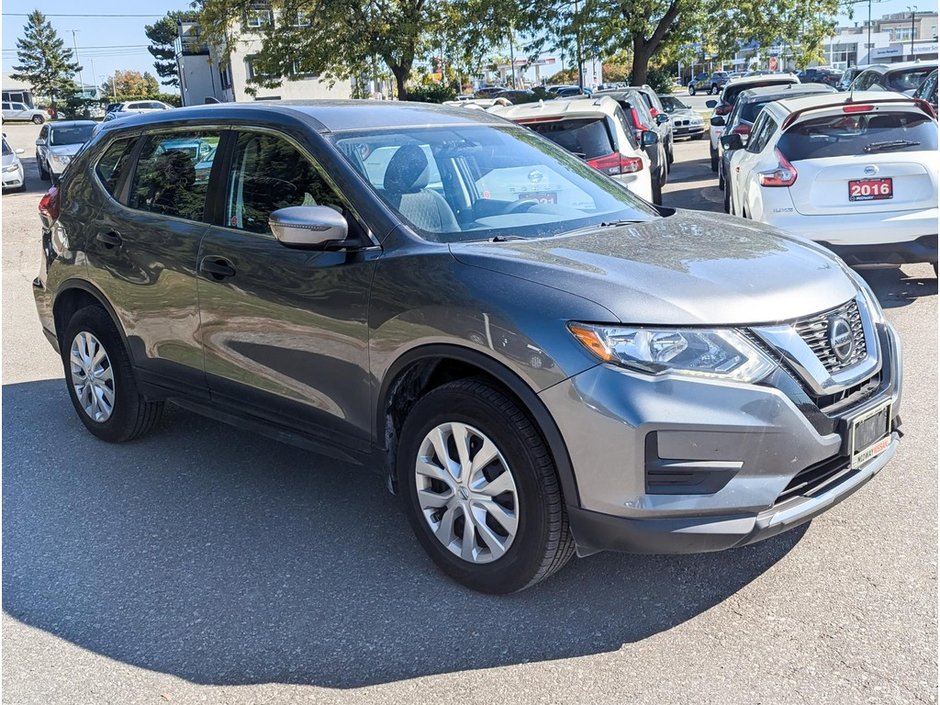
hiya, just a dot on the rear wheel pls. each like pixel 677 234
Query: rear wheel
pixel 101 381
pixel 38 119
pixel 480 489
pixel 691 90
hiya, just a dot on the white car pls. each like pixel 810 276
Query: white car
pixel 726 101
pixel 57 143
pixel 14 177
pixel 856 172
pixel 140 106
pixel 20 112
pixel 595 130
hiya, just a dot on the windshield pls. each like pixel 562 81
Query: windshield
pixel 909 80
pixel 672 104
pixel 71 135
pixel 6 148
pixel 478 182
pixel 859 134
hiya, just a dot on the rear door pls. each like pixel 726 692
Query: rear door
pixel 882 160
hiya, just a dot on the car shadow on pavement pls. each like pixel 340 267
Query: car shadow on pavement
pixel 896 287
pixel 225 558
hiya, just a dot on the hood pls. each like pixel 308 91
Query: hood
pixel 691 268
pixel 66 150
pixel 686 113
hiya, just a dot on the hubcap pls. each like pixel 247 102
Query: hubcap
pixel 467 492
pixel 92 377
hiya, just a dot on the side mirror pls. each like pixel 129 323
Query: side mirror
pixel 717 121
pixel 20 150
pixel 649 138
pixel 661 118
pixel 308 226
pixel 711 104
pixel 732 141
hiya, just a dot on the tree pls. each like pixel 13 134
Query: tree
pixel 162 35
pixel 124 83
pixel 44 62
pixel 337 39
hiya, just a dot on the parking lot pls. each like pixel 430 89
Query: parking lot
pixel 203 564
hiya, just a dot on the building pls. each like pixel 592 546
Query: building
pixel 891 39
pixel 211 73
pixel 17 91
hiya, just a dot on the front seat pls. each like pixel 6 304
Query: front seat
pixel 406 180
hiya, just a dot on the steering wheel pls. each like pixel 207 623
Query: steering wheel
pixel 521 206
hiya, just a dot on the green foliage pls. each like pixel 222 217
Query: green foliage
pixel 660 80
pixel 162 35
pixel 434 93
pixel 43 60
pixel 124 83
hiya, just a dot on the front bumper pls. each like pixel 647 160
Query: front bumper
pixel 13 179
pixel 751 446
pixel 688 130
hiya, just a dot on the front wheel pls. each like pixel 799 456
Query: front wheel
pixel 714 156
pixel 657 191
pixel 101 381
pixel 38 119
pixel 691 90
pixel 480 489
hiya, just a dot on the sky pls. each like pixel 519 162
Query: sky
pixel 115 39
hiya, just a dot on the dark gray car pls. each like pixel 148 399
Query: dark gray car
pixel 539 362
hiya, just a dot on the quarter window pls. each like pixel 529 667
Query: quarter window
pixel 172 175
pixel 114 163
pixel 269 173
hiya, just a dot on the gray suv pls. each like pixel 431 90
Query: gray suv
pixel 539 362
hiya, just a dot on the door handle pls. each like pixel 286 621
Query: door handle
pixel 109 239
pixel 217 268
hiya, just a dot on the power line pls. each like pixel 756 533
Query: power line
pixel 26 14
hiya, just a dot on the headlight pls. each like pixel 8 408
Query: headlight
pixel 11 168
pixel 715 353
pixel 875 311
pixel 61 158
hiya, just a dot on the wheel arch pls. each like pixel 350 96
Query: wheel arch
pixel 75 294
pixel 426 367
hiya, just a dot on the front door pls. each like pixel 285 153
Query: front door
pixel 284 330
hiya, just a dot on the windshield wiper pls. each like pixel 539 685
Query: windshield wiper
pixel 506 238
pixel 889 144
pixel 619 223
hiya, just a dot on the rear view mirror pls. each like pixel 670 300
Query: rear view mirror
pixel 711 104
pixel 717 121
pixel 649 138
pixel 308 226
pixel 732 141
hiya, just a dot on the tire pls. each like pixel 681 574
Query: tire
pixel 691 90
pixel 727 198
pixel 541 543
pixel 713 90
pixel 657 192
pixel 934 268
pixel 721 179
pixel 714 156
pixel 38 119
pixel 131 415
pixel 670 155
pixel 43 172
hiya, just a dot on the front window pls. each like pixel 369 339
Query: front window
pixel 71 135
pixel 6 148
pixel 477 182
pixel 858 135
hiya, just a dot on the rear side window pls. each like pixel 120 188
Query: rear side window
pixel 114 163
pixel 909 80
pixel 859 134
pixel 269 173
pixel 585 137
pixel 172 176
pixel 750 111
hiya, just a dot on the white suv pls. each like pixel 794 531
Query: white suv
pixel 595 130
pixel 856 172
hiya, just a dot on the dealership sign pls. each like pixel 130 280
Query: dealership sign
pixel 902 49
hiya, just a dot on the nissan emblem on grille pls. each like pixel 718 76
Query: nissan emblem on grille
pixel 840 338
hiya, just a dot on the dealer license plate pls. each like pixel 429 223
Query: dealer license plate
pixel 870 435
pixel 871 189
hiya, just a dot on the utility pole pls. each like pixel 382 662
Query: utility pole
pixel 913 10
pixel 81 78
pixel 512 59
pixel 577 40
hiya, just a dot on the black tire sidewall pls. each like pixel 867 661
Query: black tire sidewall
pixel 96 321
pixel 514 570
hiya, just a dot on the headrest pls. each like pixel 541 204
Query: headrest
pixel 407 170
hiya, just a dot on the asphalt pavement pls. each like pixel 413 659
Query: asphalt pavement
pixel 203 564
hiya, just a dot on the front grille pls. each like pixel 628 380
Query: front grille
pixel 815 333
pixel 815 478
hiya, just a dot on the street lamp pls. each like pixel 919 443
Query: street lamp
pixel 913 9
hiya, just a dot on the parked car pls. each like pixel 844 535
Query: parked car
pixel 686 122
pixel 904 77
pixel 139 107
pixel 14 176
pixel 57 143
pixel 655 106
pixel 845 82
pixel 729 94
pixel 517 96
pixel 640 120
pixel 571 92
pixel 20 112
pixel 820 74
pixel 595 130
pixel 712 83
pixel 363 314
pixel 928 91
pixel 489 91
pixel 746 108
pixel 856 173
